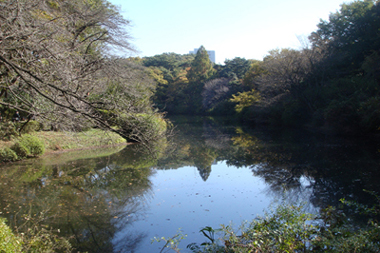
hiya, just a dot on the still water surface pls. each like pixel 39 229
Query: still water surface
pixel 211 173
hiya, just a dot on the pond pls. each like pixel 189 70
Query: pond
pixel 210 172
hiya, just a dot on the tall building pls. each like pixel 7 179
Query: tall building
pixel 211 54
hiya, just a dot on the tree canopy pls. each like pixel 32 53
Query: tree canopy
pixel 201 67
pixel 56 65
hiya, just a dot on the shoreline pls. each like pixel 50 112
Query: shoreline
pixel 64 142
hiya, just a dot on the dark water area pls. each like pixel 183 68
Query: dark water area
pixel 210 172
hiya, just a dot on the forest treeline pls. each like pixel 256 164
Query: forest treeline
pixel 58 66
pixel 331 83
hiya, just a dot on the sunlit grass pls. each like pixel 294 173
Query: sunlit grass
pixel 60 141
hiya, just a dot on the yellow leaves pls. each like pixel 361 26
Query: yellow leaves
pixel 93 3
pixel 245 140
pixel 53 4
pixel 44 61
pixel 38 14
pixel 245 99
pixel 157 75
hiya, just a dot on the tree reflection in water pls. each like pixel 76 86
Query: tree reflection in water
pixel 88 200
pixel 308 167
pixel 91 199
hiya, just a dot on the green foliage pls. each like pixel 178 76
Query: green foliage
pixel 336 235
pixel 36 239
pixel 43 240
pixel 76 44
pixel 285 230
pixel 171 243
pixel 334 84
pixel 153 122
pixel 201 67
pixel 225 107
pixel 211 246
pixel 290 229
pixel 9 243
pixel 20 149
pixel 8 155
pixel 235 68
pixel 350 34
pixel 140 127
pixel 158 75
pixel 33 144
pixel 369 113
pixel 256 69
pixel 169 61
pixel 245 99
pixel 294 113
pixel 7 130
pixel 30 127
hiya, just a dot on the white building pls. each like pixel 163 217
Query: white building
pixel 211 54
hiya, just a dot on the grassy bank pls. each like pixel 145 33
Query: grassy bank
pixel 55 142
pixel 61 141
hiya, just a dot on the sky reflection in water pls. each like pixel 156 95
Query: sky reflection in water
pixel 183 200
pixel 213 174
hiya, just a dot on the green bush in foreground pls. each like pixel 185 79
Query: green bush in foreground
pixel 8 155
pixel 36 239
pixel 30 127
pixel 33 144
pixel 7 130
pixel 285 230
pixel 9 243
pixel 21 151
pixel 43 240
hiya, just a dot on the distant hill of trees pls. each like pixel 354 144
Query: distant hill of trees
pixel 331 83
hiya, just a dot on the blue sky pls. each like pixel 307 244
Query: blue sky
pixel 239 28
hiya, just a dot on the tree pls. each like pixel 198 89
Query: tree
pixel 235 68
pixel 200 71
pixel 214 91
pixel 201 67
pixel 169 61
pixel 245 99
pixel 55 64
pixel 256 69
pixel 349 36
pixel 284 70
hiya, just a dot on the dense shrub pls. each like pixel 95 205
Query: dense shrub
pixel 8 155
pixel 370 114
pixel 34 240
pixel 153 126
pixel 7 130
pixel 9 243
pixel 30 127
pixel 342 116
pixel 35 146
pixel 20 150
pixel 289 229
pixel 294 114
pixel 43 240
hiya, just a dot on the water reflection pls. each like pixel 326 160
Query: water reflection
pixel 98 200
pixel 87 199
pixel 288 160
